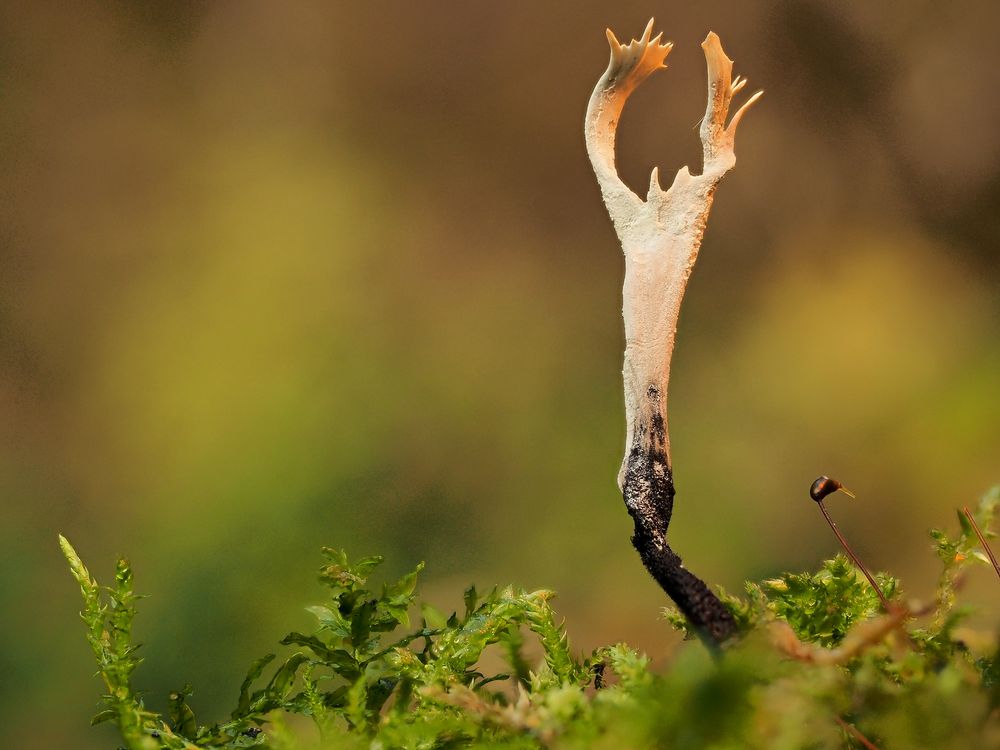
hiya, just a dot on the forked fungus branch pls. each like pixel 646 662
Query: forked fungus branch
pixel 660 237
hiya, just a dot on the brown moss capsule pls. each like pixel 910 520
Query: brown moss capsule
pixel 824 486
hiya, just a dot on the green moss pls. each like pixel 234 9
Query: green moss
pixel 368 678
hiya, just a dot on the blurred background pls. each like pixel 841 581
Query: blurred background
pixel 274 276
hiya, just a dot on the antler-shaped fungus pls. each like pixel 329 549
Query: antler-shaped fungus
pixel 660 237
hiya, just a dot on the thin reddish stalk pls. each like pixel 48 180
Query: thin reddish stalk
pixel 856 733
pixel 982 539
pixel 850 552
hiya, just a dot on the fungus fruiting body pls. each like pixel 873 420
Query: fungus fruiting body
pixel 660 236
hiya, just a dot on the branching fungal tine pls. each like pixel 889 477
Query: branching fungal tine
pixel 660 237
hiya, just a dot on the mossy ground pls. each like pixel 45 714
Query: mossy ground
pixel 817 664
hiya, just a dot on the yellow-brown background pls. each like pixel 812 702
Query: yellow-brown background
pixel 277 275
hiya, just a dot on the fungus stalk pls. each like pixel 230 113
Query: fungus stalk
pixel 660 237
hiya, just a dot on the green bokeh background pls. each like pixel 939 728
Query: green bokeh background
pixel 282 275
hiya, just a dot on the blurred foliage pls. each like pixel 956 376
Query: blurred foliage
pixel 815 665
pixel 274 274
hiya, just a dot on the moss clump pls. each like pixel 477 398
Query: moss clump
pixel 816 665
